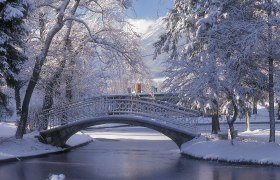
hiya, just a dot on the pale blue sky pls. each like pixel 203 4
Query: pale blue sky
pixel 149 9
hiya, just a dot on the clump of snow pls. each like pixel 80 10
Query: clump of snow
pixel 12 12
pixel 56 177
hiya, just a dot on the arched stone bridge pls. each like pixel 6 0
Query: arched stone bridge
pixel 59 124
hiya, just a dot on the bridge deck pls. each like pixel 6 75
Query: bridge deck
pixel 164 117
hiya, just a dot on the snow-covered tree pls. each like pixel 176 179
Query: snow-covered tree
pixel 237 42
pixel 70 29
pixel 13 31
pixel 186 61
pixel 225 53
pixel 271 9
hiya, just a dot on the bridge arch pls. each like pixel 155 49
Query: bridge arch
pixel 59 135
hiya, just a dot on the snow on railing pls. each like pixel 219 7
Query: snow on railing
pixel 158 111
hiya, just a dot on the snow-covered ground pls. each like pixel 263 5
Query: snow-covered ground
pixel 252 146
pixel 261 118
pixel 10 147
pixel 245 151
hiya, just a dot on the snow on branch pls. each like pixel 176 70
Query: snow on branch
pixel 274 21
pixel 93 37
pixel 13 12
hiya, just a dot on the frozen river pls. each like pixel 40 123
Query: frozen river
pixel 133 153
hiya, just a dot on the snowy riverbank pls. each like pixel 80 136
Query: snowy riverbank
pixel 252 146
pixel 12 148
pixel 249 148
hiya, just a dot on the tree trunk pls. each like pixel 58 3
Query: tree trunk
pixel 51 85
pixel 17 99
pixel 40 59
pixel 68 94
pixel 47 104
pixel 270 78
pixel 215 119
pixel 215 123
pixel 278 112
pixel 68 90
pixel 68 81
pixel 255 105
pixel 232 120
pixel 271 101
pixel 25 106
pixel 247 119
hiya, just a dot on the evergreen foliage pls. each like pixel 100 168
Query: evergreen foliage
pixel 12 34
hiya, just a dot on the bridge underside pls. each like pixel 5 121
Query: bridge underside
pixel 58 136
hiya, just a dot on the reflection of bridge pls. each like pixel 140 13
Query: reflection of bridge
pixel 61 123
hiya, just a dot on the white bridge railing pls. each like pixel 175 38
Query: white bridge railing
pixel 161 112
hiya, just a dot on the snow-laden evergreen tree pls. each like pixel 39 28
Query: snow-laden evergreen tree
pixel 13 31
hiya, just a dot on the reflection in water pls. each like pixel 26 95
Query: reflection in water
pixel 131 159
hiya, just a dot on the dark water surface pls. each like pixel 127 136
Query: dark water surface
pixel 131 159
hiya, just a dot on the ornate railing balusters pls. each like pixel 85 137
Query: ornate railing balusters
pixel 165 113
